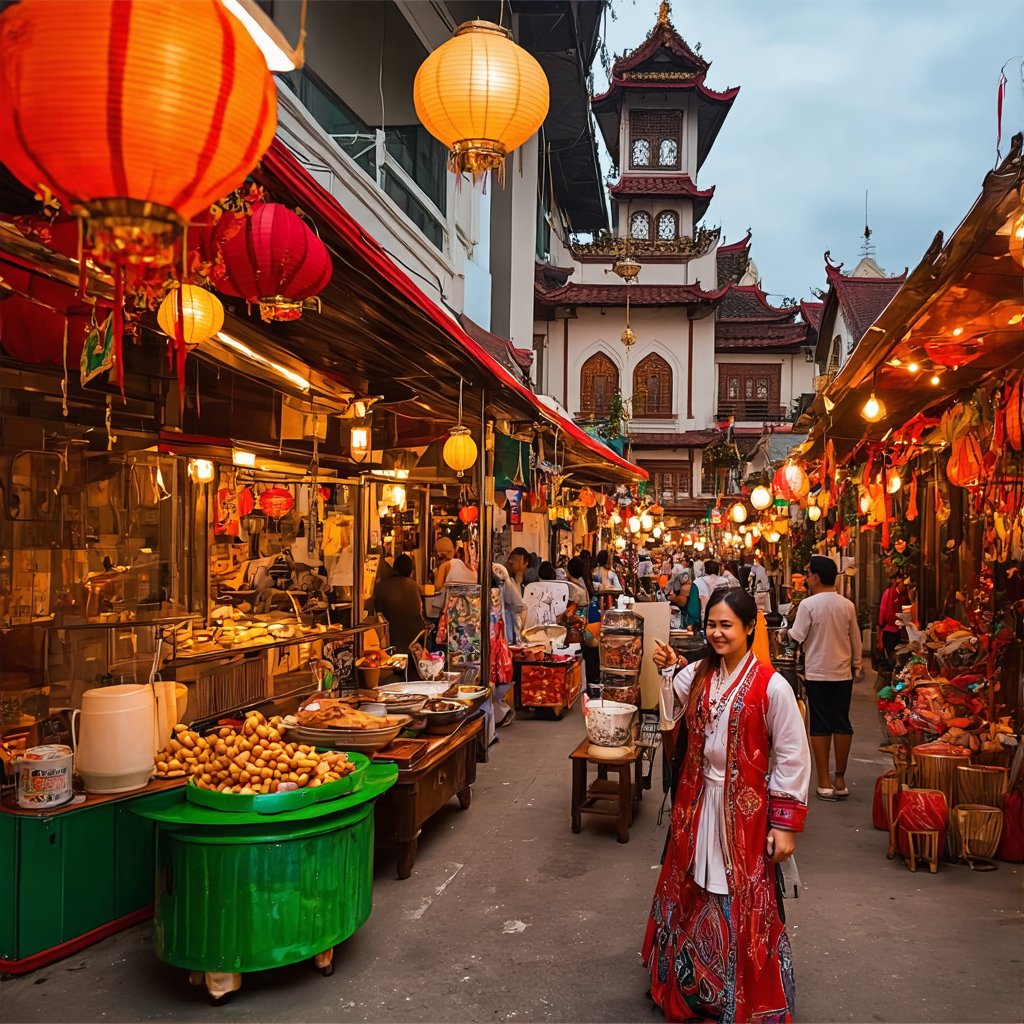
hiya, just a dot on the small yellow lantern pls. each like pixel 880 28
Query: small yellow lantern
pixel 359 442
pixel 738 513
pixel 760 497
pixel 480 95
pixel 813 513
pixel 460 450
pixel 202 314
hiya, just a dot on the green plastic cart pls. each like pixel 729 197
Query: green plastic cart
pixel 240 892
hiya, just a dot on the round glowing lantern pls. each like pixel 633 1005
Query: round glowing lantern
pixel 480 95
pixel 275 260
pixel 130 116
pixel 459 450
pixel 813 513
pixel 201 314
pixel 469 514
pixel 790 482
pixel 33 333
pixel 738 512
pixel 760 497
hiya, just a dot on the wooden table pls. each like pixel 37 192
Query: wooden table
pixel 422 790
pixel 625 794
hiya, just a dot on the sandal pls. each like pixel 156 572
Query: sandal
pixel 826 794
pixel 841 794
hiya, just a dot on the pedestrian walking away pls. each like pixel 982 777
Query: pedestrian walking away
pixel 716 945
pixel 826 624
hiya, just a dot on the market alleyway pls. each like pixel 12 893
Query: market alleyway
pixel 508 916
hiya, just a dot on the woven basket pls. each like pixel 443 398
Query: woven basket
pixel 981 784
pixel 936 768
pixel 976 831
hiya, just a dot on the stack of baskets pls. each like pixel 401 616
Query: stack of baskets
pixel 977 817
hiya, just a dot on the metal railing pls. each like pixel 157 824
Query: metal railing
pixel 751 410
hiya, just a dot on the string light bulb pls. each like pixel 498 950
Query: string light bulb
pixel 874 409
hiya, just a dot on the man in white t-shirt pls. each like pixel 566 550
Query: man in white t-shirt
pixel 760 587
pixel 826 624
pixel 707 584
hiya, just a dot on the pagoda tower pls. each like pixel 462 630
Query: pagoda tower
pixel 629 320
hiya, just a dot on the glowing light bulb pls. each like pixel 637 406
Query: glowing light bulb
pixel 874 409
pixel 647 521
pixel 913 367
pixel 935 380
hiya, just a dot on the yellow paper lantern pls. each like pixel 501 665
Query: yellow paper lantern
pixel 813 513
pixel 202 314
pixel 460 450
pixel 738 513
pixel 480 95
pixel 760 497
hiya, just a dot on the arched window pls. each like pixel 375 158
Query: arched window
pixel 599 382
pixel 640 226
pixel 652 387
pixel 668 153
pixel 641 153
pixel 668 226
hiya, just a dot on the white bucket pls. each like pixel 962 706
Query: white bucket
pixel 44 776
pixel 609 723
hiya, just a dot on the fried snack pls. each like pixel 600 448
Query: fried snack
pixel 253 760
pixel 331 713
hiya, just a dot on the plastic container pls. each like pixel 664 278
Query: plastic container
pixel 609 723
pixel 44 777
pixel 117 738
pixel 624 689
pixel 618 621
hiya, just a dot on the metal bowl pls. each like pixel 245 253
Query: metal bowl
pixel 443 714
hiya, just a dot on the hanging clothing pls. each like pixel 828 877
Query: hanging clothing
pixel 715 943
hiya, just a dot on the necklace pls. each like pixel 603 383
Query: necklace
pixel 711 708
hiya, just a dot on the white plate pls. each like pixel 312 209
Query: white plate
pixel 474 695
pixel 422 686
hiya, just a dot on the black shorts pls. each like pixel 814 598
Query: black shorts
pixel 830 707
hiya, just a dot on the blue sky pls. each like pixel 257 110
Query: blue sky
pixel 894 96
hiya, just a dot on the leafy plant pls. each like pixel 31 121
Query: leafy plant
pixel 722 455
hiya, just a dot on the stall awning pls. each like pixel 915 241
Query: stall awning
pixel 956 322
pixel 446 344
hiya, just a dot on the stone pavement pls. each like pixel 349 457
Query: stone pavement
pixel 508 916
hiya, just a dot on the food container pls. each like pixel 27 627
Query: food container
pixel 609 723
pixel 365 740
pixel 624 651
pixel 444 715
pixel 44 776
pixel 614 620
pixel 624 689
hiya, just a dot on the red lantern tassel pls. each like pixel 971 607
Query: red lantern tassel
pixel 887 512
pixel 118 314
pixel 912 498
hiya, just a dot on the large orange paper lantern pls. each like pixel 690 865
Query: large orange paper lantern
pixel 481 95
pixel 137 114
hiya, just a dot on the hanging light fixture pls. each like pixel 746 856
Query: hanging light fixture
pixel 738 512
pixel 895 482
pixel 615 519
pixel 201 313
pixel 634 524
pixel 748 541
pixel 460 449
pixel 874 409
pixel 481 96
pixel 760 497
pixel 656 533
pixel 133 125
pixel 360 440
pixel 774 537
pixel 813 513
pixel 200 471
pixel 647 522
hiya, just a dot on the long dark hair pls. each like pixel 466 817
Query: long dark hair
pixel 743 606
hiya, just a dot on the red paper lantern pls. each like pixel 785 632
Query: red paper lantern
pixel 275 260
pixel 790 482
pixel 469 514
pixel 276 501
pixel 32 333
pixel 135 115
pixel 1013 416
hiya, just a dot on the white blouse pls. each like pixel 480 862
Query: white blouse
pixel 790 772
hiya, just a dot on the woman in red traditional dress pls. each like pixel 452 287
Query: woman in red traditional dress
pixel 715 944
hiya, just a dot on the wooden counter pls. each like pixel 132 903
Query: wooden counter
pixel 423 789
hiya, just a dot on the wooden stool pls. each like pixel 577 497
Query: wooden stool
pixel 624 795
pixel 924 846
pixel 890 790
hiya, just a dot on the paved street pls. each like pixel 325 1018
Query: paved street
pixel 510 917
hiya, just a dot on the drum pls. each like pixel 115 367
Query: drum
pixel 981 784
pixel 976 831
pixel 920 810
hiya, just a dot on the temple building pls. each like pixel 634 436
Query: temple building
pixel 657 330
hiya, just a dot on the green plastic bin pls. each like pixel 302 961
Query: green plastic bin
pixel 246 892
